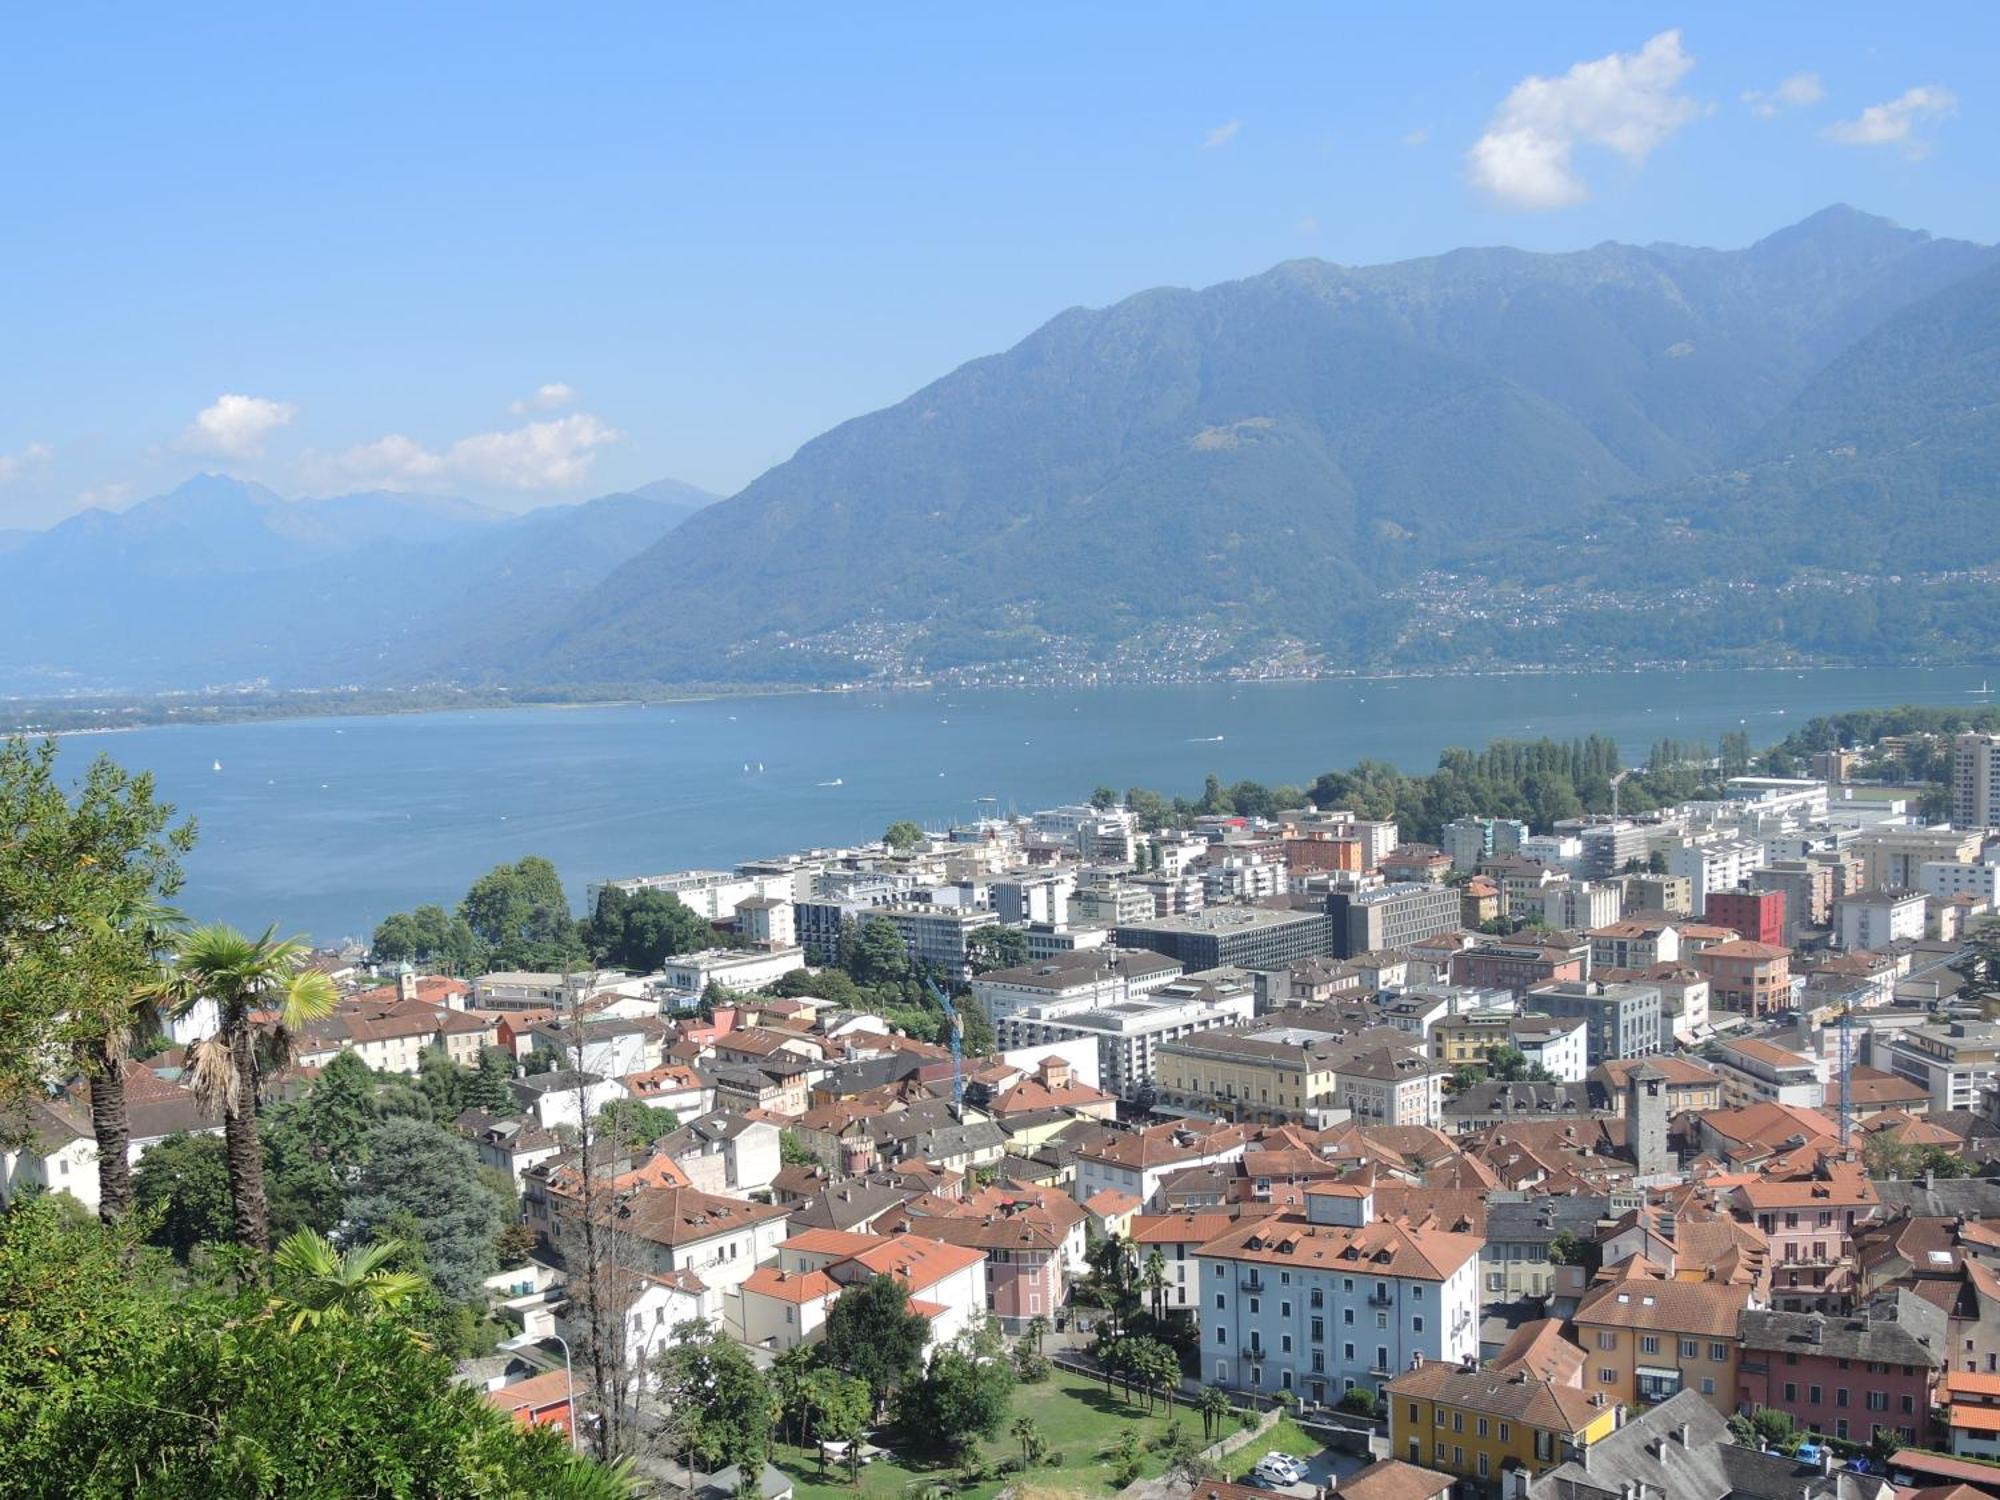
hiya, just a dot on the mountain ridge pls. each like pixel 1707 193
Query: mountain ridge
pixel 1275 446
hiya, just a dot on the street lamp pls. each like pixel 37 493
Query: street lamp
pixel 528 1341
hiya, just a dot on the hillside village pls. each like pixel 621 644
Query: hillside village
pixel 1646 1154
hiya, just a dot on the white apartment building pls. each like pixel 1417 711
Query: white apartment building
pixel 1956 1062
pixel 1893 858
pixel 1754 1071
pixel 1559 1044
pixel 1127 1034
pixel 1579 905
pixel 1068 983
pixel 1563 851
pixel 1875 918
pixel 785 1304
pixel 1390 1086
pixel 712 895
pixel 1335 1300
pixel 1947 878
pixel 1715 865
pixel 1138 1161
pixel 738 969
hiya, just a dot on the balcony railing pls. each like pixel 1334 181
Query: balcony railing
pixel 1381 1299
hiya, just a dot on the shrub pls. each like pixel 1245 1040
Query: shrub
pixel 1057 1459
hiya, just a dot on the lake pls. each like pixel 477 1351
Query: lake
pixel 323 826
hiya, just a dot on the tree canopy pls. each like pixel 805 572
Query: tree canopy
pixel 873 1333
pixel 640 930
pixel 426 1175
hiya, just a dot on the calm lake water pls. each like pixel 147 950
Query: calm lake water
pixel 323 826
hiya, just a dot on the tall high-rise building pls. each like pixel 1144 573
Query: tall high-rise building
pixel 1975 781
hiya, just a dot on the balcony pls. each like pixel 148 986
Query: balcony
pixel 1381 1299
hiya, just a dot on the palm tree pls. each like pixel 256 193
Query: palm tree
pixel 1038 1325
pixel 1214 1411
pixel 1029 1436
pixel 262 995
pixel 1155 1277
pixel 789 1373
pixel 140 933
pixel 318 1284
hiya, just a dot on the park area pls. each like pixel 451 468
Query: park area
pixel 1079 1423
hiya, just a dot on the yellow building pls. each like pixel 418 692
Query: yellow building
pixel 1472 1037
pixel 1236 1075
pixel 1480 1424
pixel 1646 1340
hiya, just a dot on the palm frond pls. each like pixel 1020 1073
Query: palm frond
pixel 212 1076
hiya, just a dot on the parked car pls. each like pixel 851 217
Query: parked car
pixel 1278 1469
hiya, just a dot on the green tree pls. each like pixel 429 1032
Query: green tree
pixel 791 1369
pixel 640 930
pixel 996 947
pixel 1028 1433
pixel 430 1176
pixel 1214 1408
pixel 244 976
pixel 902 836
pixel 339 1111
pixel 1154 1278
pixel 631 1123
pixel 841 1406
pixel 1510 1065
pixel 487 1088
pixel 1765 1423
pixel 875 953
pixel 961 1397
pixel 442 1082
pixel 520 915
pixel 181 1188
pixel 872 1333
pixel 794 1152
pixel 117 1378
pixel 316 1284
pixel 720 1405
pixel 428 937
pixel 83 886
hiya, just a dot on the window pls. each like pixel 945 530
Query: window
pixel 1440 1448
pixel 1791 1391
pixel 1482 1466
pixel 1649 1343
pixel 1909 1404
pixel 1253 1304
pixel 1690 1349
pixel 1813 1394
pixel 1381 1320
pixel 1458 1421
pixel 1437 1416
pixel 1284 1343
pixel 1222 1335
pixel 1840 1396
pixel 1381 1358
pixel 1416 1325
pixel 1284 1309
pixel 1416 1294
pixel 1220 1304
pixel 1458 1458
pixel 1482 1427
pixel 1607 1340
pixel 1719 1353
pixel 1707 1386
pixel 1607 1377
pixel 1877 1400
pixel 1347 1353
pixel 1319 1330
pixel 1347 1316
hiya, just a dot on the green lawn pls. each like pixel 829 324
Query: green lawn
pixel 1285 1436
pixel 1076 1419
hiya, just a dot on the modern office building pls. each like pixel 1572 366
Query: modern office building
pixel 1391 916
pixel 1250 937
pixel 1128 1035
pixel 1624 1020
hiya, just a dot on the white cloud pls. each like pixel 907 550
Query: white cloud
pixel 1222 135
pixel 14 465
pixel 1895 123
pixel 535 456
pixel 236 426
pixel 550 397
pixel 1624 102
pixel 1795 92
pixel 1418 136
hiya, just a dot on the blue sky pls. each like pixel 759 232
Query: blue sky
pixel 537 253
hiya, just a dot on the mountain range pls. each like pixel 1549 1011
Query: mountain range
pixel 1258 460
pixel 223 581
pixel 1574 451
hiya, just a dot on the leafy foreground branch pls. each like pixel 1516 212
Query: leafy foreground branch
pixel 118 1379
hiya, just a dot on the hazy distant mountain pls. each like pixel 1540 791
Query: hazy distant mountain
pixel 221 580
pixel 1258 456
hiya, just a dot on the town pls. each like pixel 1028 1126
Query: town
pixel 1633 1152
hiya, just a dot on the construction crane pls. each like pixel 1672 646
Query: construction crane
pixel 955 1027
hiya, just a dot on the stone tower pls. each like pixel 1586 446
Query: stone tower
pixel 1646 1120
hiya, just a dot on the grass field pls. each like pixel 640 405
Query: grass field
pixel 1285 1436
pixel 1076 1419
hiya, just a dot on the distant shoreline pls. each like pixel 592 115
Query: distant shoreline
pixel 73 717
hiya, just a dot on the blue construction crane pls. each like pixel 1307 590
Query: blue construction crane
pixel 957 1029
